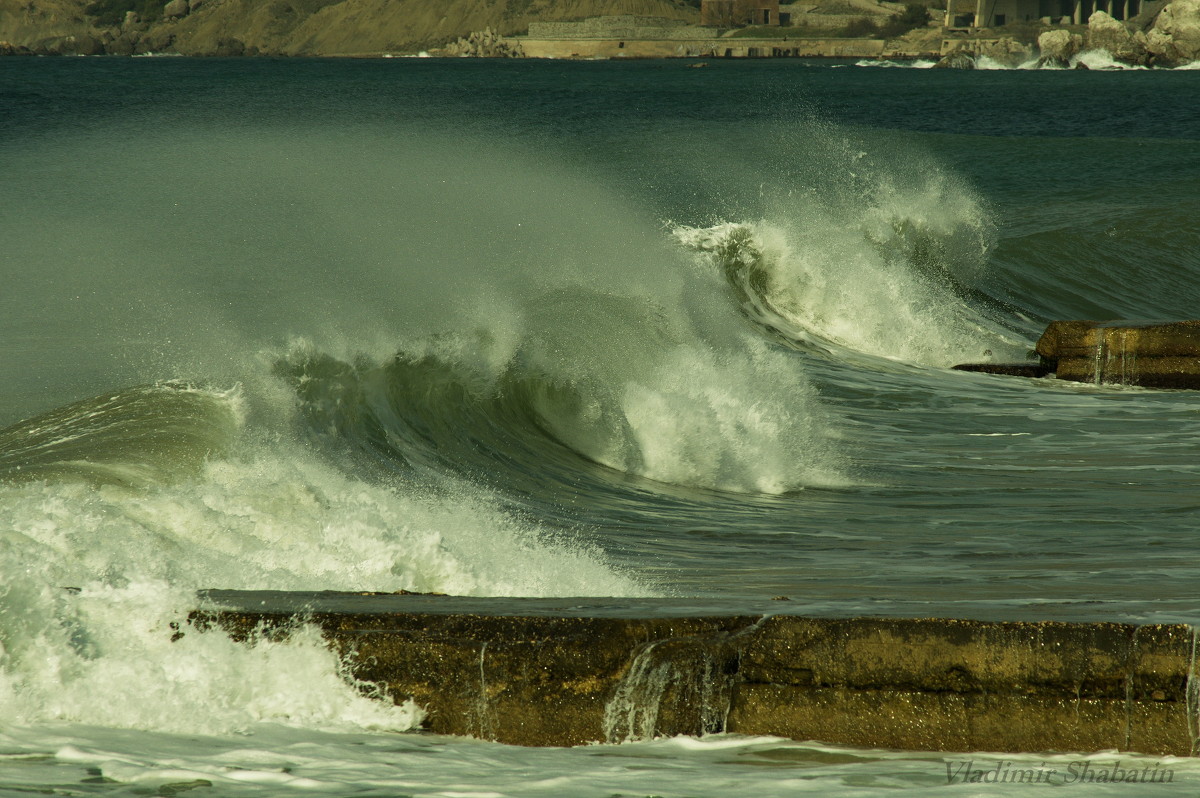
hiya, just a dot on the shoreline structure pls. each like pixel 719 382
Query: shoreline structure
pixel 561 672
pixel 1149 33
pixel 637 37
pixel 1161 35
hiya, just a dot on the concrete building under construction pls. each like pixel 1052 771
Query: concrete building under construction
pixel 737 13
pixel 994 13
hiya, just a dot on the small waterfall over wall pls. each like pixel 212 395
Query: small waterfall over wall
pixel 685 683
pixel 1146 353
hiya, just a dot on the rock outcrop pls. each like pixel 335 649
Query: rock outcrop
pixel 1058 47
pixel 484 44
pixel 1175 37
pixel 1124 45
pixel 956 60
pixel 1172 40
pixel 175 8
pixel 1006 50
pixel 27 26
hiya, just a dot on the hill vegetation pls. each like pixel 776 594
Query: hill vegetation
pixel 298 27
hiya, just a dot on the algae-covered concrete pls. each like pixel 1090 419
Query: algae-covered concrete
pixel 570 674
pixel 1151 354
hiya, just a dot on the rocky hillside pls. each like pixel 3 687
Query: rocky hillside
pixel 30 22
pixel 296 27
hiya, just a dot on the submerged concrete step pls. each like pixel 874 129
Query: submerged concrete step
pixel 1151 354
pixel 567 672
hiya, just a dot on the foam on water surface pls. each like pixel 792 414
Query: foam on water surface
pixel 281 761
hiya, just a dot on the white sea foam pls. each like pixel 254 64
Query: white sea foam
pixel 1102 59
pixel 105 657
pixel 270 517
pixel 280 519
pixel 1092 59
pixel 886 63
pixel 675 389
pixel 282 761
pixel 749 423
pixel 876 277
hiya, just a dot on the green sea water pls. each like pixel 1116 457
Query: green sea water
pixel 559 329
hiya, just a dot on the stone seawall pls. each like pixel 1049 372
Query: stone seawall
pixel 1149 354
pixel 704 48
pixel 622 27
pixel 573 671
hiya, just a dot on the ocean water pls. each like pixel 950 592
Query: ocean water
pixel 562 329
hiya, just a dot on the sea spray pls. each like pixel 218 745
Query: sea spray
pixel 99 576
pixel 881 283
pixel 115 656
pixel 869 243
pixel 746 423
pixel 278 517
pixel 392 247
pixel 679 393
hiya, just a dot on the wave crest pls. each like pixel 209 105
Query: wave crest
pixel 582 411
pixel 891 277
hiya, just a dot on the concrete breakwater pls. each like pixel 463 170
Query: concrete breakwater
pixel 573 671
pixel 634 37
pixel 710 48
pixel 1150 354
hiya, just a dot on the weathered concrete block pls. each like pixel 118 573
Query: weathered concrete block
pixel 1082 339
pixel 1148 354
pixel 866 718
pixel 588 674
pixel 940 655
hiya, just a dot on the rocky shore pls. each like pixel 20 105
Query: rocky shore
pixel 1171 39
pixel 1168 37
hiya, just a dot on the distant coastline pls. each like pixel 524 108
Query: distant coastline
pixel 1162 35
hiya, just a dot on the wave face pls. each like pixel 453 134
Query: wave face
pixel 145 434
pixel 560 332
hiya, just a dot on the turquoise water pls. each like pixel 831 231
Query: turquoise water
pixel 559 329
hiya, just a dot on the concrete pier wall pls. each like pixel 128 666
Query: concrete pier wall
pixel 1150 354
pixel 568 674
pixel 1147 354
pixel 699 48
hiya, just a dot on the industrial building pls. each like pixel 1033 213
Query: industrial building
pixel 994 13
